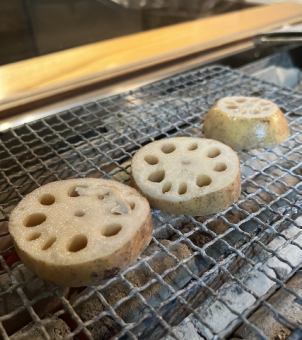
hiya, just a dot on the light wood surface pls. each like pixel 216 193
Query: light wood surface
pixel 48 75
pixel 35 112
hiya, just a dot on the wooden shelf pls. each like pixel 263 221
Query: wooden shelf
pixel 34 79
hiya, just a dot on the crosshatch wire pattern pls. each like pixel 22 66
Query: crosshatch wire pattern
pixel 190 258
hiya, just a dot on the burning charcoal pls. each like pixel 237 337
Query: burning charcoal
pixel 56 329
pixel 180 250
pixel 133 308
pixel 32 286
pixel 123 176
pixel 104 328
pixel 286 304
pixel 185 330
pixel 5 238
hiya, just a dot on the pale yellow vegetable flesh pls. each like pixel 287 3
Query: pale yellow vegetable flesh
pixel 186 175
pixel 79 231
pixel 245 123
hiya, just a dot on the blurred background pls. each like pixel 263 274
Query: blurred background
pixel 30 28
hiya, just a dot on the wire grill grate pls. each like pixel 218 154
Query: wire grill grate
pixel 215 269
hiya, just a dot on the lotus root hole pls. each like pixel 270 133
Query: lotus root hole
pixel 203 181
pixel 79 213
pixel 73 191
pixel 101 197
pixel 182 189
pixel 49 243
pixel 220 167
pixel 34 236
pixel 34 220
pixel 214 152
pixel 152 160
pixel 132 205
pixel 47 199
pixel 240 100
pixel 157 176
pixel 112 230
pixel 168 148
pixel 78 243
pixel 166 187
pixel 192 146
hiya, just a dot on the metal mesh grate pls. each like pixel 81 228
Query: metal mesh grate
pixel 217 270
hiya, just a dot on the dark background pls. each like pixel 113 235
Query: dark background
pixel 35 27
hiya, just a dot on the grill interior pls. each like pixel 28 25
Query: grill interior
pixel 215 270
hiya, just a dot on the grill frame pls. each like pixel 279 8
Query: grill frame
pixel 98 138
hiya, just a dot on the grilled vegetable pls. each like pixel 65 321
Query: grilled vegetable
pixel 184 175
pixel 246 123
pixel 77 232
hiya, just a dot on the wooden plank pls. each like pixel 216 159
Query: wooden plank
pixel 40 77
pixel 51 105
